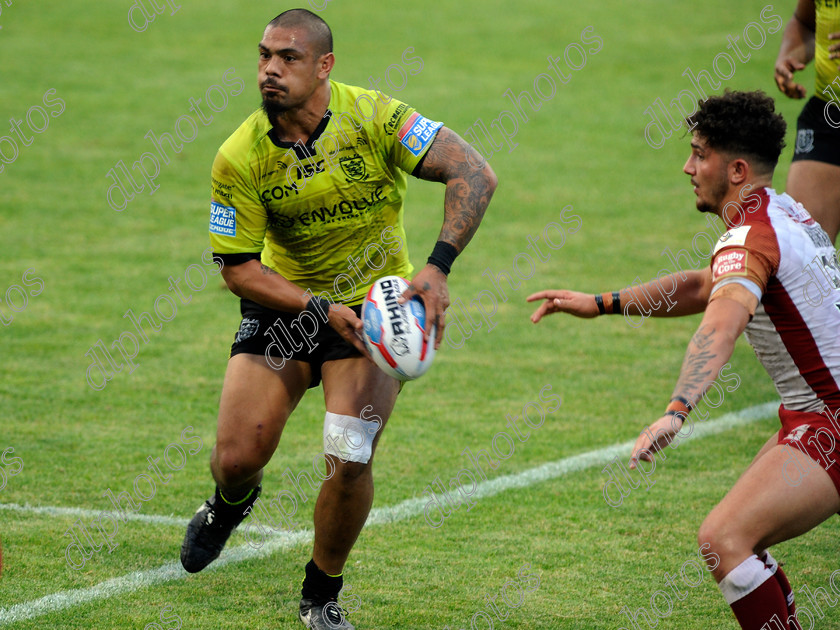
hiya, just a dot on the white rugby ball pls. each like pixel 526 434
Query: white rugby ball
pixel 393 332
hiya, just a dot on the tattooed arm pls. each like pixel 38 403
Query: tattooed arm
pixel 708 351
pixel 470 183
pixel 469 180
pixel 699 366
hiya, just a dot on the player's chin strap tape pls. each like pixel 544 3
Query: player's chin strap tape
pixel 348 438
pixel 443 255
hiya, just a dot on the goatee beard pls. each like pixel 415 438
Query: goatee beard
pixel 273 110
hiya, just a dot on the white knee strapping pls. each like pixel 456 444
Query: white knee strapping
pixel 348 438
pixel 744 579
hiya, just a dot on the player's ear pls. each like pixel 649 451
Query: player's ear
pixel 325 65
pixel 739 171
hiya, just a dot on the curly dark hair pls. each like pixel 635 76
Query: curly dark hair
pixel 742 124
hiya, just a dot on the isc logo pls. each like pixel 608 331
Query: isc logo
pixel 5 473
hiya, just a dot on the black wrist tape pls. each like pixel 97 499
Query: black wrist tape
pixel 600 302
pixel 616 305
pixel 443 255
pixel 682 400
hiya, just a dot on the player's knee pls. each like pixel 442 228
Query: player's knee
pixel 232 466
pixel 351 472
pixel 710 532
pixel 705 536
pixel 350 439
pixel 718 537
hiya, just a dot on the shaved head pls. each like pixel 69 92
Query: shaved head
pixel 319 33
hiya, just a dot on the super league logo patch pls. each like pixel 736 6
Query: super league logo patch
pixel 222 219
pixel 417 133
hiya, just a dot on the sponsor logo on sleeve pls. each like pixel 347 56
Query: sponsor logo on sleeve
pixel 417 133
pixel 222 190
pixel 222 219
pixel 732 262
pixel 391 126
pixel 735 236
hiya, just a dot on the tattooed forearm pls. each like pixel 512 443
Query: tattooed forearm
pixel 267 271
pixel 470 183
pixel 699 367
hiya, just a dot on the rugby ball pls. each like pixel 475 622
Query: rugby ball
pixel 393 332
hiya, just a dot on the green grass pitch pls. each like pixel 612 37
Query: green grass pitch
pixel 584 149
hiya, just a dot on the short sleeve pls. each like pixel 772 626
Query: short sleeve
pixel 407 134
pixel 748 253
pixel 237 216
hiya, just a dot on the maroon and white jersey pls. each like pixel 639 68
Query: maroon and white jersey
pixel 787 261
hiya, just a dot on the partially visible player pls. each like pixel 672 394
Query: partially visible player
pixel 755 283
pixel 814 177
pixel 307 210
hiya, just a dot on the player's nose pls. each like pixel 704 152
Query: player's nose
pixel 274 67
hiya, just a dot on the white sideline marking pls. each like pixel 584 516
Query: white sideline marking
pixel 378 516
pixel 50 510
pixel 574 463
pixel 140 579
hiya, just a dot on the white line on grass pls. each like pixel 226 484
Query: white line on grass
pixel 378 516
pixel 551 470
pixel 51 510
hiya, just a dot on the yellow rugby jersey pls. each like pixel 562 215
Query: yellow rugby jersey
pixel 828 21
pixel 328 216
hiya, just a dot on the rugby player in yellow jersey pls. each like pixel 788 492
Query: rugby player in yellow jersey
pixel 306 213
pixel 814 177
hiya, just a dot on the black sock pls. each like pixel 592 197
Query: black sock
pixel 318 585
pixel 226 507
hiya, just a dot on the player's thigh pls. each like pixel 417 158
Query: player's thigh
pixel 816 185
pixel 356 387
pixel 763 508
pixel 772 441
pixel 256 401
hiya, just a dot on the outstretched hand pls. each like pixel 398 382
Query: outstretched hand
pixel 784 77
pixel 654 438
pixel 562 301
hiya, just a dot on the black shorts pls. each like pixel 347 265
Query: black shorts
pixel 816 139
pixel 277 332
